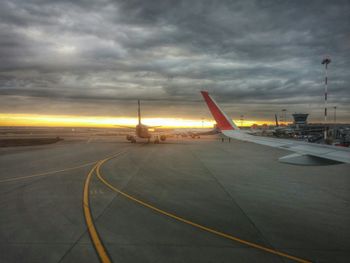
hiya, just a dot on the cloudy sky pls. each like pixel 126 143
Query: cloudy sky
pixel 96 57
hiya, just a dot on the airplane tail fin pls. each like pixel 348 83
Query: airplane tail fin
pixel 223 122
pixel 139 111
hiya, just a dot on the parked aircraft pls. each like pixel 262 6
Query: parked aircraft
pixel 143 131
pixel 196 134
pixel 305 153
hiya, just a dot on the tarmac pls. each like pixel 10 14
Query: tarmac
pixel 183 200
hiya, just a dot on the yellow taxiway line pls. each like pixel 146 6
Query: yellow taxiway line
pixel 188 222
pixel 46 173
pixel 95 238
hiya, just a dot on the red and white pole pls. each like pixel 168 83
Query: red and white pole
pixel 325 62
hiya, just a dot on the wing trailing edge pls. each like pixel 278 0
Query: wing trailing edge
pixel 306 159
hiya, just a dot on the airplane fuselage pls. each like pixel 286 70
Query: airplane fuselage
pixel 142 131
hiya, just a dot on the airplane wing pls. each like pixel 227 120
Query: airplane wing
pixel 305 153
pixel 125 126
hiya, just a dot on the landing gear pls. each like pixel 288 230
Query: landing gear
pixel 156 140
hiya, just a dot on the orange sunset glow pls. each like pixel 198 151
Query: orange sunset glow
pixel 106 121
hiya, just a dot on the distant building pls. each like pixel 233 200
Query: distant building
pixel 300 119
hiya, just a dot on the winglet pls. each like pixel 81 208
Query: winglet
pixel 223 122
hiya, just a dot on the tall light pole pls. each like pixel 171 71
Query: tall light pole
pixel 284 115
pixel 242 119
pixel 335 114
pixel 325 62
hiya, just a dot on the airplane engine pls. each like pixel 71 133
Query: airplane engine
pixel 131 138
pixel 162 138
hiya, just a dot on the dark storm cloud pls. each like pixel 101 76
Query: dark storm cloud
pixel 257 57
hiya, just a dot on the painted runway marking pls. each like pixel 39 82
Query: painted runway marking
pixel 94 236
pixel 188 222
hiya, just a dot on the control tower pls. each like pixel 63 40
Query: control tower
pixel 300 119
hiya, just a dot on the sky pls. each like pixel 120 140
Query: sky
pixel 95 58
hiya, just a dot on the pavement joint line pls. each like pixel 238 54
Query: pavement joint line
pixel 97 167
pixel 94 236
pixel 233 200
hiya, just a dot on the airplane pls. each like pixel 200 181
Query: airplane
pixel 281 130
pixel 143 131
pixel 197 134
pixel 305 153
